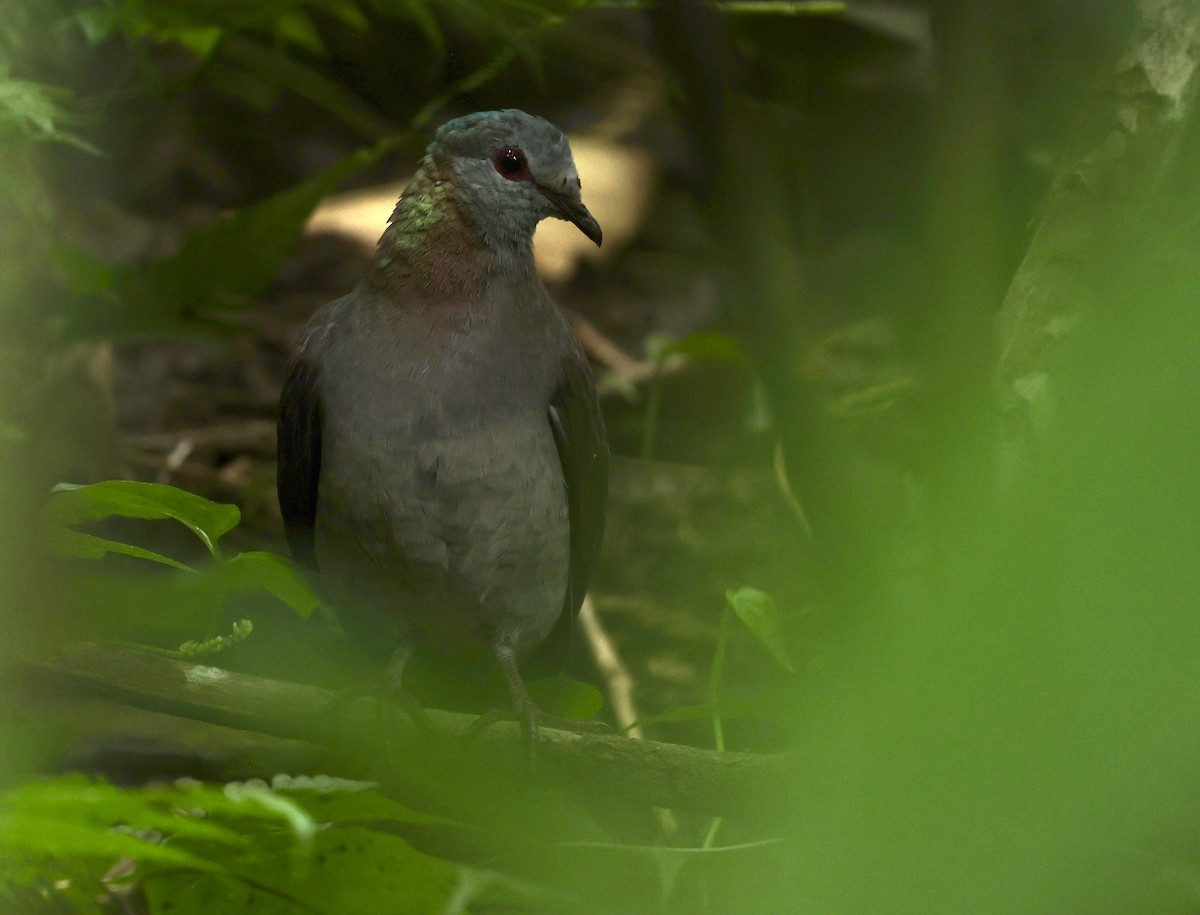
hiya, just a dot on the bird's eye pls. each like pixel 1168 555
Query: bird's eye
pixel 510 162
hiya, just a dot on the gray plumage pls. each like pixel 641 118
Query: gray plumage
pixel 442 459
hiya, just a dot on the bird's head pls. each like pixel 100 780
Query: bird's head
pixel 511 170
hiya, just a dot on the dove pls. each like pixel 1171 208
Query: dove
pixel 442 460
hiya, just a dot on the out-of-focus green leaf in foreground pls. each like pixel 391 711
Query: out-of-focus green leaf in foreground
pixel 300 844
pixel 33 111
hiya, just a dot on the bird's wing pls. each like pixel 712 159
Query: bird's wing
pixel 298 441
pixel 583 451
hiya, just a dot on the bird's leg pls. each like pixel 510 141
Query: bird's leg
pixel 394 694
pixel 523 704
pixel 527 712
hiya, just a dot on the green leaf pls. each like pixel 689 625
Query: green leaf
pixel 277 575
pixel 36 111
pixel 405 879
pixel 192 843
pixel 296 26
pixel 343 801
pixel 427 23
pixel 217 267
pixel 28 838
pixel 348 12
pixel 201 41
pixel 757 610
pixel 96 23
pixel 704 712
pixel 80 272
pixel 77 544
pixel 235 258
pixel 707 346
pixel 71 505
pixel 658 345
pixel 566 698
pixel 76 817
pixel 784 7
pixel 349 869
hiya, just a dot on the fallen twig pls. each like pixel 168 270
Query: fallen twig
pixel 616 675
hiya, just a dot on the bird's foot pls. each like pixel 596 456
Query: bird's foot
pixel 412 707
pixel 394 694
pixel 525 710
pixel 530 717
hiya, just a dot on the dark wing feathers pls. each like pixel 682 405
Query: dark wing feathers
pixel 299 449
pixel 583 451
pixel 578 428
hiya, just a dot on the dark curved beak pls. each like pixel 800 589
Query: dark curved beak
pixel 571 208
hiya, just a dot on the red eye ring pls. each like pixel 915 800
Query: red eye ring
pixel 511 163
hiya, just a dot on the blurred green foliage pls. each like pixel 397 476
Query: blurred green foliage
pixel 298 844
pixel 211 273
pixel 32 112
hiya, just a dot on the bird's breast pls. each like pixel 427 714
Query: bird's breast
pixel 441 504
pixel 460 531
